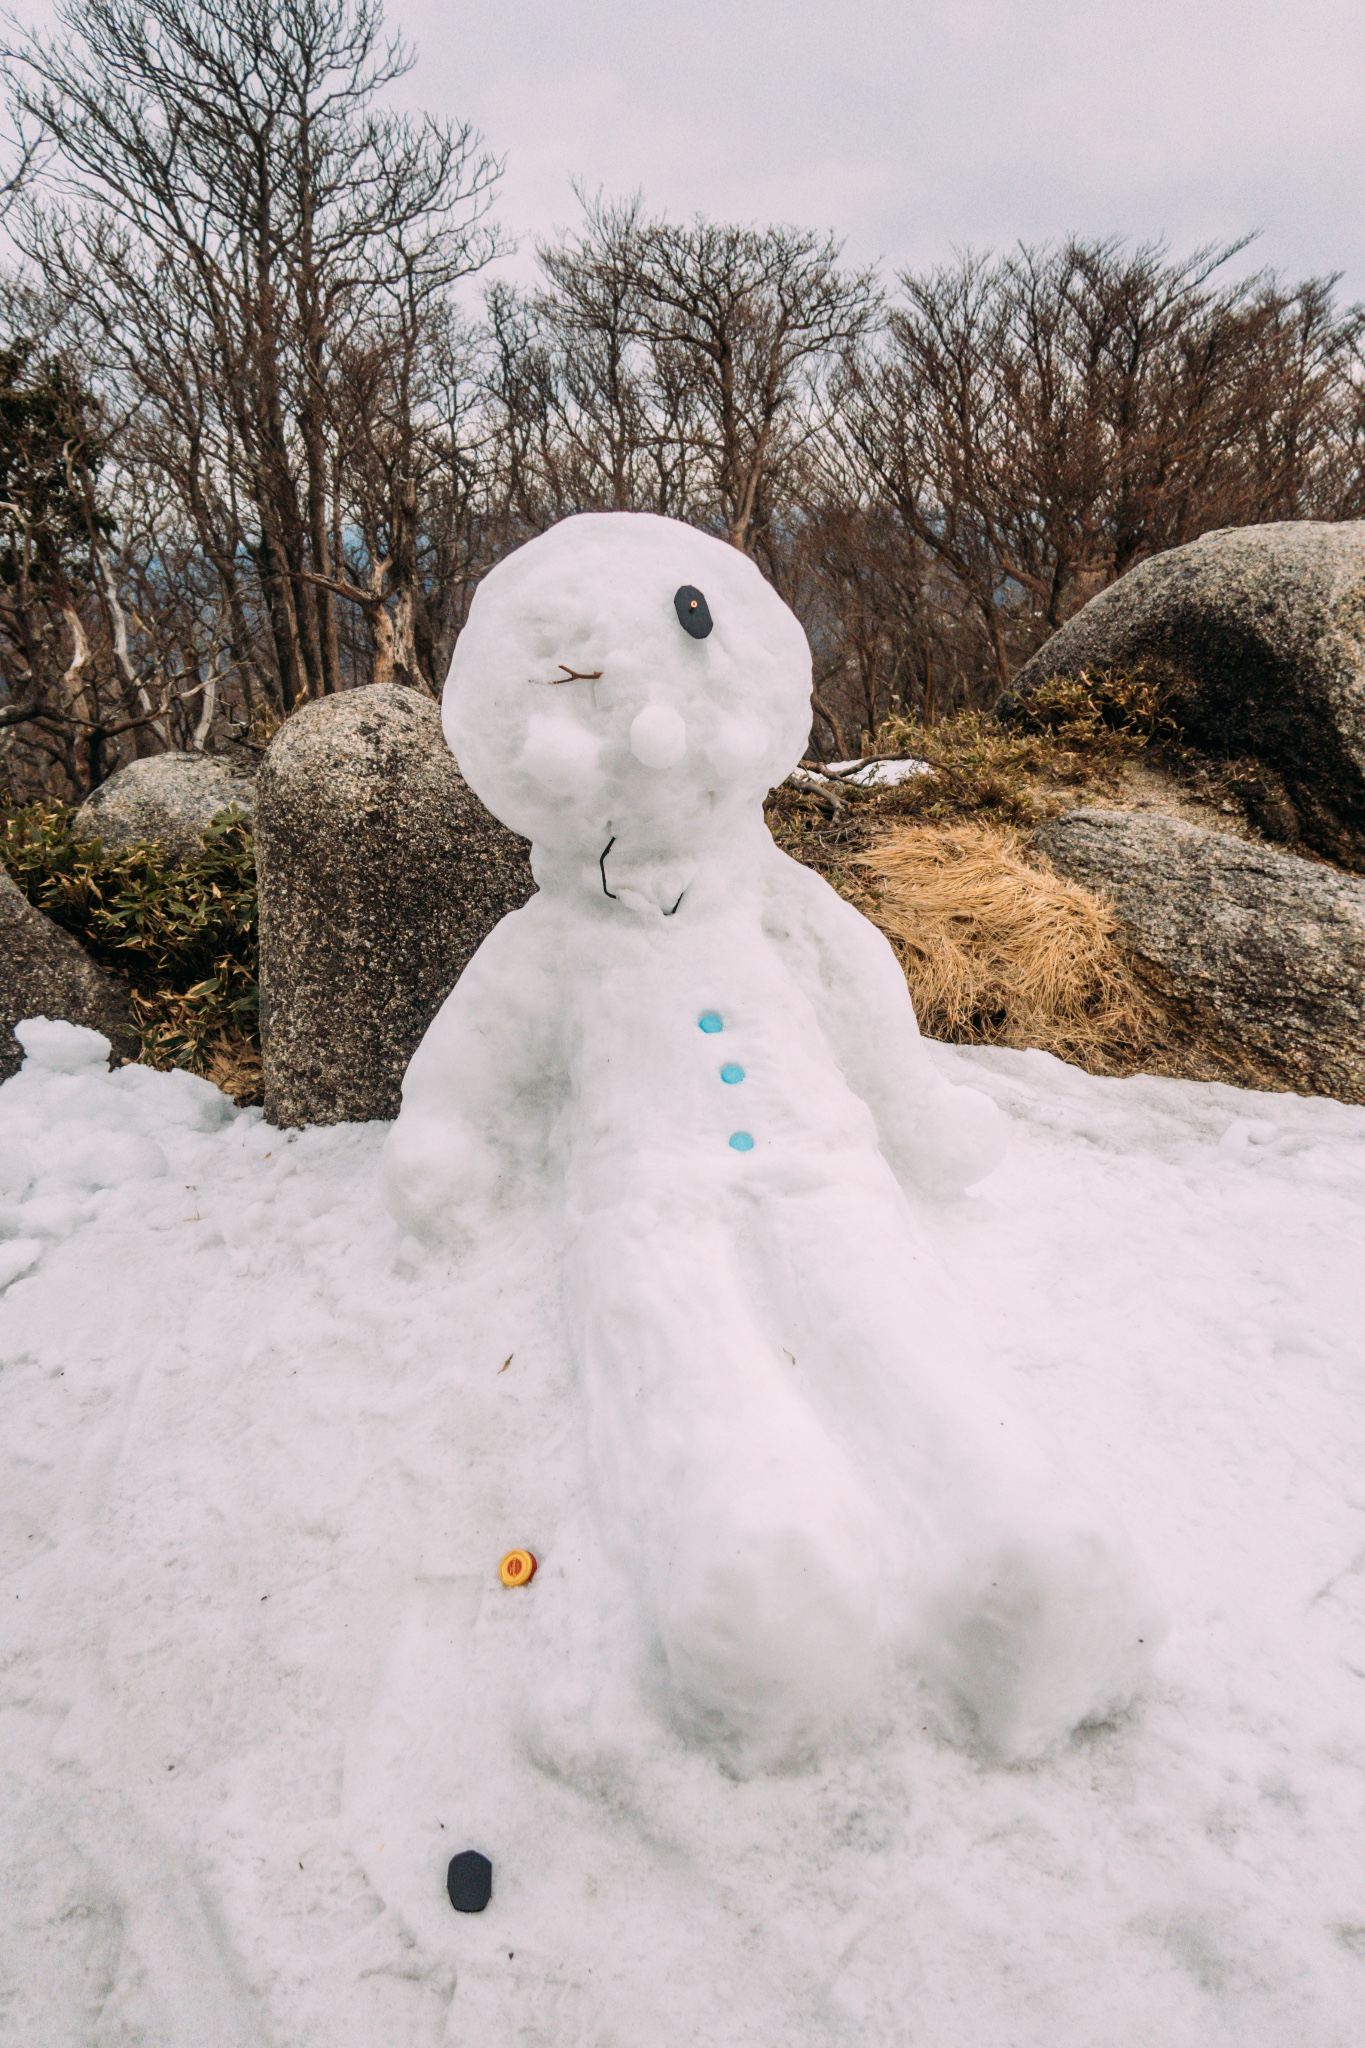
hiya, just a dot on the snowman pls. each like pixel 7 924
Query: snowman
pixel 713 1062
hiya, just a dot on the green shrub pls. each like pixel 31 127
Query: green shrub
pixel 182 937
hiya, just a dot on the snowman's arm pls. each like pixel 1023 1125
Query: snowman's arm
pixel 934 1135
pixel 481 1090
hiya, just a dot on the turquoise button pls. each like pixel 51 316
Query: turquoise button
pixel 742 1142
pixel 732 1073
pixel 709 1021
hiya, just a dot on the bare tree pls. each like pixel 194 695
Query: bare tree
pixel 689 360
pixel 761 315
pixel 1037 425
pixel 288 455
pixel 24 153
pixel 73 689
pixel 234 209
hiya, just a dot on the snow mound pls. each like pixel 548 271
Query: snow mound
pixel 60 1048
pixel 260 1456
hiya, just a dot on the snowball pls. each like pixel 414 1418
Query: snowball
pixel 658 737
pixel 57 1048
pixel 186 1101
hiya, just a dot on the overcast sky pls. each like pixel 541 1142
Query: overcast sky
pixel 911 127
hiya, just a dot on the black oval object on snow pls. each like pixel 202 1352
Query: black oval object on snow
pixel 469 1881
pixel 693 613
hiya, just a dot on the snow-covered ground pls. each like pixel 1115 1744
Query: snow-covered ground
pixel 260 1458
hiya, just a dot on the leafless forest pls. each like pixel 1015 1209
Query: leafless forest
pixel 265 420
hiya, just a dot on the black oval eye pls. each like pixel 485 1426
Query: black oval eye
pixel 693 615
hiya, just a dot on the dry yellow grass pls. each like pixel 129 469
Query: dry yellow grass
pixel 999 951
pixel 234 1065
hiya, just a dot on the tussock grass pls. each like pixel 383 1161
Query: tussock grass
pixel 232 1062
pixel 981 770
pixel 986 770
pixel 1065 743
pixel 1102 711
pixel 1000 951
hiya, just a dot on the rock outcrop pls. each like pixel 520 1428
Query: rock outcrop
pixel 170 797
pixel 1260 632
pixel 1257 948
pixel 380 873
pixel 44 973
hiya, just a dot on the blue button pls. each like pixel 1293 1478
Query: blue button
pixel 742 1142
pixel 732 1073
pixel 709 1021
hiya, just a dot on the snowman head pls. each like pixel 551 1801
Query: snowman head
pixel 626 677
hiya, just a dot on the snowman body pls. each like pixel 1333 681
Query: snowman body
pixel 715 1060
